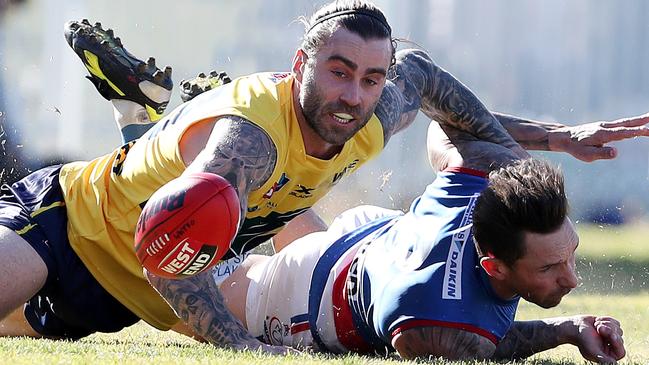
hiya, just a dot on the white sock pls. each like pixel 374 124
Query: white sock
pixel 128 112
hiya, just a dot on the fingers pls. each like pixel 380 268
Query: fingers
pixel 593 153
pixel 628 122
pixel 611 333
pixel 619 133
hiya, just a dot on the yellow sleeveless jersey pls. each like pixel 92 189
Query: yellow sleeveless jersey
pixel 104 196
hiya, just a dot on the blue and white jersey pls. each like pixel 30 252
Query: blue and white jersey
pixel 424 270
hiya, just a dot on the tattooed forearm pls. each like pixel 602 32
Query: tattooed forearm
pixel 198 302
pixel 527 338
pixel 531 134
pixel 449 343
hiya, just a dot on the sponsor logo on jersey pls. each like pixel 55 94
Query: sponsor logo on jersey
pixel 271 205
pixel 225 268
pixel 350 167
pixel 302 192
pixel 283 180
pixel 452 287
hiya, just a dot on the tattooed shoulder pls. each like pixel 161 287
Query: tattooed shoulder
pixel 240 151
pixel 408 80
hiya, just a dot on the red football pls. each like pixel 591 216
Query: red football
pixel 187 225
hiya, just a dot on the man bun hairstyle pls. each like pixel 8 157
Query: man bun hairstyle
pixel 357 16
pixel 527 195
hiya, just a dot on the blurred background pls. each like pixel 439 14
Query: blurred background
pixel 551 60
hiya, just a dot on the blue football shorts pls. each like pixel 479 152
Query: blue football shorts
pixel 71 304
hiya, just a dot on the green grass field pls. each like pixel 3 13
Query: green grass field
pixel 620 252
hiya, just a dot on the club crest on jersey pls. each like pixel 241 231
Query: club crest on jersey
pixel 275 330
pixel 283 180
pixel 278 76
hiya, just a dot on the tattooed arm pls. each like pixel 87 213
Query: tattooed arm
pixel 417 83
pixel 599 339
pixel 449 343
pixel 244 155
pixel 586 142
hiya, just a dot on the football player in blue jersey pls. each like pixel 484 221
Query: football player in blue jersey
pixel 443 279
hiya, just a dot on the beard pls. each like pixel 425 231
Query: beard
pixel 315 111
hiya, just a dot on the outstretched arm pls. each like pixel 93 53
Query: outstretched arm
pixel 244 155
pixel 587 142
pixel 599 339
pixel 417 83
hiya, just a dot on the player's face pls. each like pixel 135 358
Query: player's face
pixel 341 85
pixel 547 270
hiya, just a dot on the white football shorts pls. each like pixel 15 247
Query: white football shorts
pixel 278 295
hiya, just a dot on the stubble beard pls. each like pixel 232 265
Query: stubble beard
pixel 315 111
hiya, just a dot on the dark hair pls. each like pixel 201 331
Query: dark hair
pixel 357 16
pixel 526 196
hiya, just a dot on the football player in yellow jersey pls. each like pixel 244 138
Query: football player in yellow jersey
pixel 281 139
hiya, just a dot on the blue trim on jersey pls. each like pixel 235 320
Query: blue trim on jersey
pixel 323 268
pixel 300 318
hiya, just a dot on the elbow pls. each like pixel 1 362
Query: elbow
pixel 446 343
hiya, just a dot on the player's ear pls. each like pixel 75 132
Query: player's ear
pixel 299 62
pixel 494 267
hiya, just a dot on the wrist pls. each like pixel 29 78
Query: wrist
pixel 567 330
pixel 558 139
